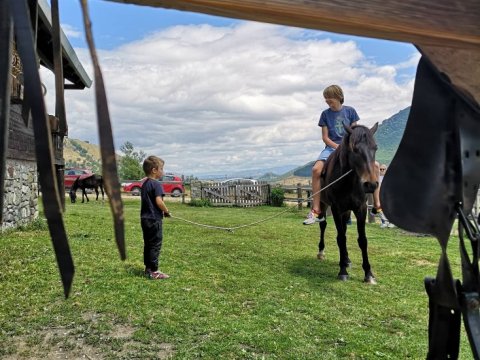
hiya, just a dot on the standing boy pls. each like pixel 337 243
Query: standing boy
pixel 152 211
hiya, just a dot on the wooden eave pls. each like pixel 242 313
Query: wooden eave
pixel 73 70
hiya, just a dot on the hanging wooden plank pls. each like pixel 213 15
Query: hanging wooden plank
pixel 109 163
pixel 43 141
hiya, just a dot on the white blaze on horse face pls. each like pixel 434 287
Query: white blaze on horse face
pixel 369 176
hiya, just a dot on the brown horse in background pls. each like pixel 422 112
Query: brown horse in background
pixel 90 182
pixel 355 160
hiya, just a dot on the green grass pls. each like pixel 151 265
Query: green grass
pixel 258 292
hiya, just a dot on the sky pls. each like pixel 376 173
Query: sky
pixel 216 95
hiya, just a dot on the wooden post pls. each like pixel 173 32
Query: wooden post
pixel 183 192
pixel 299 196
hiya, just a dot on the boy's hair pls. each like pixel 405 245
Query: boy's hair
pixel 152 162
pixel 334 92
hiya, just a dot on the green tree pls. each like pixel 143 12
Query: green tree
pixel 131 163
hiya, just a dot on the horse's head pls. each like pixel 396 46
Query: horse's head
pixel 361 154
pixel 73 196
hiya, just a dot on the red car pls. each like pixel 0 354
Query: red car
pixel 71 174
pixel 172 185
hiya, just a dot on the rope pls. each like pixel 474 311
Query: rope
pixel 333 182
pixel 231 229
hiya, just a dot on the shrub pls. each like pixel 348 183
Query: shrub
pixel 200 203
pixel 277 195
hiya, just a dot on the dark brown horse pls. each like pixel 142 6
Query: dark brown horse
pixel 353 165
pixel 90 182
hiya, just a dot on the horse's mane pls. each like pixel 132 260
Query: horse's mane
pixel 360 133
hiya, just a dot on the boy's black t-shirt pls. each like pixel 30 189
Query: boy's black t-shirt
pixel 149 209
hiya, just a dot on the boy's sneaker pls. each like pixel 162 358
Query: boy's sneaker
pixel 156 275
pixel 313 217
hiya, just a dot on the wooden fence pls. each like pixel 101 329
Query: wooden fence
pixel 242 195
pixel 301 194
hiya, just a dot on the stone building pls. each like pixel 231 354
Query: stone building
pixel 21 189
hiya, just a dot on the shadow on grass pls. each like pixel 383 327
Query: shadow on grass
pixel 134 270
pixel 317 272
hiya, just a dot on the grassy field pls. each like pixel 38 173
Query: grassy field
pixel 257 293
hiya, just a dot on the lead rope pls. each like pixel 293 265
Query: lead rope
pixel 231 229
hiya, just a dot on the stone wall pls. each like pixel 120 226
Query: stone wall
pixel 21 193
pixel 21 180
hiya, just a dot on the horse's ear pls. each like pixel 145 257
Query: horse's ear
pixel 374 128
pixel 347 128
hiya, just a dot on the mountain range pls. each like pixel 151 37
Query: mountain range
pixel 82 154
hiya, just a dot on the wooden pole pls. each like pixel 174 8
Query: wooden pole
pixel 299 196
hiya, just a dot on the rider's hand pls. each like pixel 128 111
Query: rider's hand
pixel 166 214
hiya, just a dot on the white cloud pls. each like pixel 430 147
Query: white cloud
pixel 210 99
pixel 71 32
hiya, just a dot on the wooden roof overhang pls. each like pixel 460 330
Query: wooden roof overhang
pixel 446 31
pixel 73 69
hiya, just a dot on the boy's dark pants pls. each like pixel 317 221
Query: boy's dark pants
pixel 152 240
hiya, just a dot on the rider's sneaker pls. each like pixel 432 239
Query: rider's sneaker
pixel 380 214
pixel 313 217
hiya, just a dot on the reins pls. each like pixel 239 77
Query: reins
pixel 231 229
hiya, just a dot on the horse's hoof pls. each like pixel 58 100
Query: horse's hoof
pixel 342 277
pixel 370 280
pixel 321 256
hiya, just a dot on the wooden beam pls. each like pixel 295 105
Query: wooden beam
pixel 451 23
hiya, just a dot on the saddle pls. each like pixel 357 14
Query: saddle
pixel 433 180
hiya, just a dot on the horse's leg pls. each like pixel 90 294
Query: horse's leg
pixel 321 243
pixel 323 226
pixel 361 215
pixel 96 192
pixel 341 225
pixel 345 217
pixel 84 193
pixel 101 189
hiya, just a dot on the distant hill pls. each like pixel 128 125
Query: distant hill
pixel 81 154
pixel 260 174
pixel 389 135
